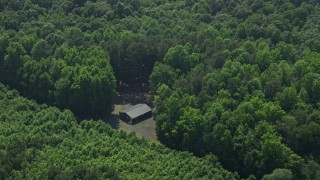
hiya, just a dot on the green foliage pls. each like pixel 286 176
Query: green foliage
pixel 161 74
pixel 288 98
pixel 311 170
pixel 237 79
pixel 37 141
pixel 255 95
pixel 181 58
pixel 75 78
pixel 284 174
pixel 40 50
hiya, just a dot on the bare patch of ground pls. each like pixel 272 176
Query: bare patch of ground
pixel 145 128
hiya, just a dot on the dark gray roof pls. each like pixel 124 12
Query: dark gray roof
pixel 137 110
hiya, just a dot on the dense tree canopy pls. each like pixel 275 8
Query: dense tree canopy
pixel 37 141
pixel 236 79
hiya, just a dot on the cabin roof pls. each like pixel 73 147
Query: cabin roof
pixel 137 110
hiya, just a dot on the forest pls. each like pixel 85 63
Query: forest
pixel 38 141
pixel 236 86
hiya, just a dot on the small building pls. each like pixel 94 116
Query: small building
pixel 135 113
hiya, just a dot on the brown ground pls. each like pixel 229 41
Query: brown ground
pixel 145 128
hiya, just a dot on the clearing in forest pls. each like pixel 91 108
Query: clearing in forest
pixel 145 128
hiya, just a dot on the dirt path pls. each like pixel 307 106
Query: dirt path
pixel 145 128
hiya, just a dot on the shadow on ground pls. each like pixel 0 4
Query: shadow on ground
pixel 113 120
pixel 144 127
pixel 126 100
pixel 133 98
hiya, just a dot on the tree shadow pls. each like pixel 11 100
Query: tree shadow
pixel 112 120
pixel 126 97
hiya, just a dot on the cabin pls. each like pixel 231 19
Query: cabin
pixel 136 113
